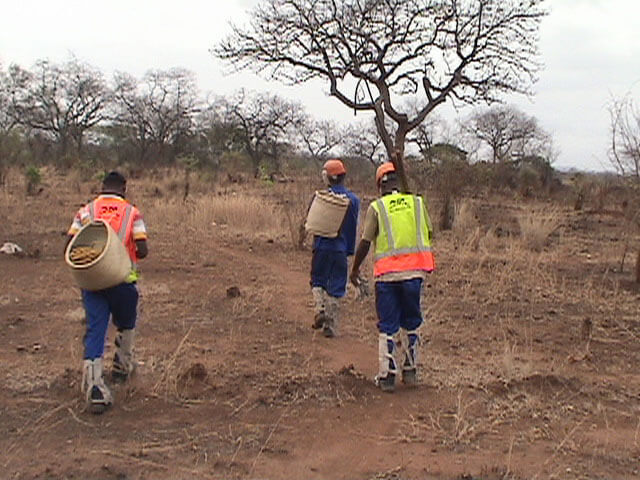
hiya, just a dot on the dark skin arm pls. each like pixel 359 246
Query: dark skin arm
pixel 141 248
pixel 361 254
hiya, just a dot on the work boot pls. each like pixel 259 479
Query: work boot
pixel 328 330
pixel 319 320
pixel 410 344
pixel 123 362
pixel 319 295
pixel 387 369
pixel 387 384
pixel 98 396
pixel 409 376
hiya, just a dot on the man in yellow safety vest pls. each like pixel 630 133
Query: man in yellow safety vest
pixel 399 227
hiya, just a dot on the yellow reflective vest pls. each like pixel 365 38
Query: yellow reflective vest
pixel 403 241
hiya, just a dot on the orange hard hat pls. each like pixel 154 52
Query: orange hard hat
pixel 383 169
pixel 334 167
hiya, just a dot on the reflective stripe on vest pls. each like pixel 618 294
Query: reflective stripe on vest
pixel 123 230
pixel 403 242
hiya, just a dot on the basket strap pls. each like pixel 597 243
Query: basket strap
pixel 125 222
pixel 91 211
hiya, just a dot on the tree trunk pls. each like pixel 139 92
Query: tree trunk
pixel 64 145
pixel 447 215
pixel 398 161
pixel 78 139
pixel 638 267
pixel 397 158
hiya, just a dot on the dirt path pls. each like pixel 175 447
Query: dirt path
pixel 242 387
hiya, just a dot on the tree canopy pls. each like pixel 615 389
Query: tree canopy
pixel 375 52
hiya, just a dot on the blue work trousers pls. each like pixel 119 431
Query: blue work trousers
pixel 398 305
pixel 329 271
pixel 119 302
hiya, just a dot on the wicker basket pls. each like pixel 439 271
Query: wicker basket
pixel 326 213
pixel 110 268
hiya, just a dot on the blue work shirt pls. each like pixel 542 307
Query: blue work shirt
pixel 346 240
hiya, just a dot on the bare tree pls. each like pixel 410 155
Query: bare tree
pixel 319 137
pixel 63 101
pixel 508 132
pixel 373 52
pixel 426 135
pixel 8 119
pixel 624 153
pixel 363 142
pixel 215 135
pixel 263 123
pixel 158 111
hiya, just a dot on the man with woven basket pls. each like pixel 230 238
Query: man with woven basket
pixel 329 267
pixel 120 302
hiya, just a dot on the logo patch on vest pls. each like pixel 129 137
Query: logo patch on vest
pixel 398 205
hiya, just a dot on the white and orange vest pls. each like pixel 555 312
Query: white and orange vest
pixel 120 215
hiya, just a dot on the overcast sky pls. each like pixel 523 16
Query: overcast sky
pixel 590 48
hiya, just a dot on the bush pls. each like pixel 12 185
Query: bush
pixel 529 180
pixel 537 226
pixel 33 178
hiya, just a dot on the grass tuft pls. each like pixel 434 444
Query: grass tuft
pixel 536 226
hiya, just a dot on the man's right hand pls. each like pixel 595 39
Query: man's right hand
pixel 141 248
pixel 355 277
pixel 361 253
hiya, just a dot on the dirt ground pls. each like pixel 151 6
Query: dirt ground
pixel 529 360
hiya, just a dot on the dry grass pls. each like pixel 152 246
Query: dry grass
pixel 37 230
pixel 465 221
pixel 245 213
pixel 294 199
pixel 253 209
pixel 241 212
pixel 536 226
pixel 256 209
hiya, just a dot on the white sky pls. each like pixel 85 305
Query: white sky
pixel 590 48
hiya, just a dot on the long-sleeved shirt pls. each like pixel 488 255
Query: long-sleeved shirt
pixel 346 239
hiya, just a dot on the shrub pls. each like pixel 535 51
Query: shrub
pixel 33 178
pixel 529 180
pixel 536 227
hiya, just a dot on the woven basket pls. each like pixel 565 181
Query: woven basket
pixel 110 268
pixel 326 213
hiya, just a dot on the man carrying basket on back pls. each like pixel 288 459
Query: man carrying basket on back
pixel 119 301
pixel 329 262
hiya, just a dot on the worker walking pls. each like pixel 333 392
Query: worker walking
pixel 399 227
pixel 120 302
pixel 329 269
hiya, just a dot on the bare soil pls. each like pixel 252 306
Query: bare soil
pixel 529 361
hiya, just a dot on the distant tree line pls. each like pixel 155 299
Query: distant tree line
pixel 70 115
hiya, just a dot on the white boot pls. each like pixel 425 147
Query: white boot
pixel 98 395
pixel 387 368
pixel 319 307
pixel 410 343
pixel 123 361
pixel 332 306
